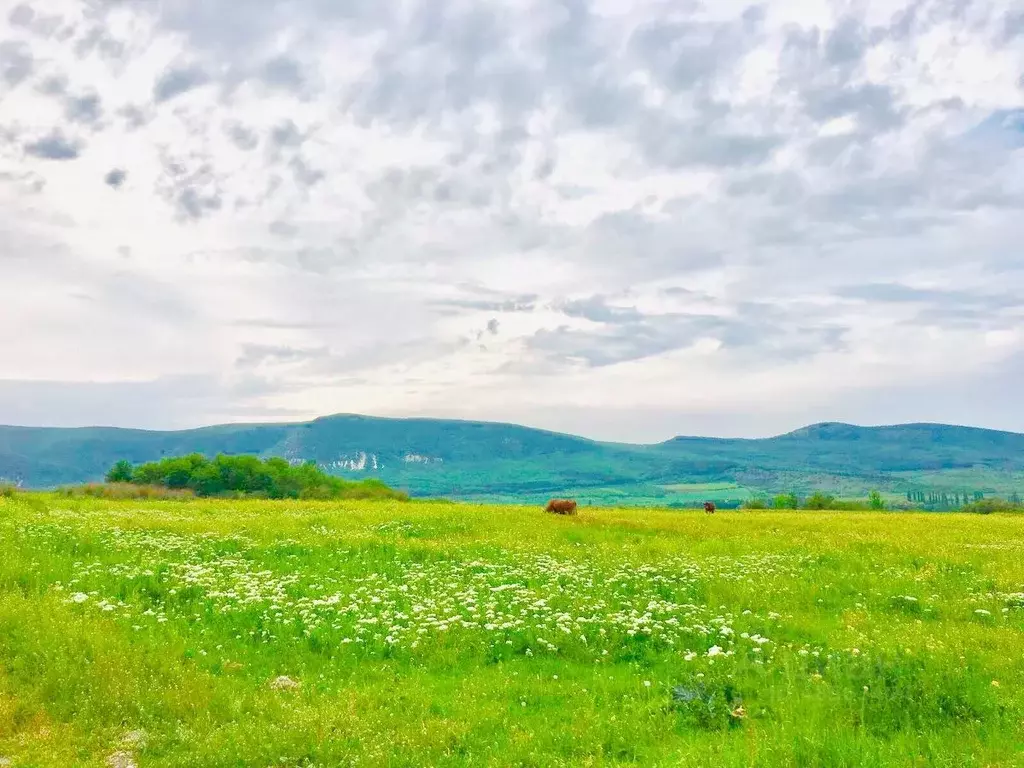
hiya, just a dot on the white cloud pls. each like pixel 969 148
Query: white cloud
pixel 734 218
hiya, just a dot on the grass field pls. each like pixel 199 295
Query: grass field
pixel 203 633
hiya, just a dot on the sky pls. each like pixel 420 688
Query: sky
pixel 625 220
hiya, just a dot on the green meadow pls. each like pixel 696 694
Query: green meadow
pixel 388 633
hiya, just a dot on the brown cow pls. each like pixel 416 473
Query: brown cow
pixel 561 506
pixel 709 507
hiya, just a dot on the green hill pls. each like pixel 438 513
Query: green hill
pixel 480 460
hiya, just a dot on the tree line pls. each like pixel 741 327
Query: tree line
pixel 933 501
pixel 248 476
pixel 816 500
pixel 946 499
pixel 963 500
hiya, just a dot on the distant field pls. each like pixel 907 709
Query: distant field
pixel 203 633
pixel 987 480
pixel 631 495
pixel 702 491
pixel 636 495
pixel 703 487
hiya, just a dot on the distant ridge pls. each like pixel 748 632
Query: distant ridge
pixel 502 461
pixel 831 428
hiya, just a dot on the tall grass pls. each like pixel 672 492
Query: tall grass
pixel 236 632
pixel 126 491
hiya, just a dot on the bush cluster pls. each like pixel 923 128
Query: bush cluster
pixel 988 506
pixel 247 476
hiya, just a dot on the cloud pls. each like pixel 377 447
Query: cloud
pixel 115 177
pixel 83 109
pixel 241 136
pixel 286 134
pixel 303 174
pixel 1013 25
pixel 54 146
pixel 16 62
pixel 191 185
pixel 939 307
pixel 21 15
pixel 1003 126
pixel 283 72
pixel 130 404
pixel 616 218
pixel 872 106
pixel 897 293
pixel 596 309
pixel 253 355
pixel 178 80
pixel 624 334
pixel 195 204
pixel 493 303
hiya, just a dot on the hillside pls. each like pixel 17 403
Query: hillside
pixel 479 460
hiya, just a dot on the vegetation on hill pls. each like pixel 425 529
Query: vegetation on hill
pixel 491 462
pixel 273 478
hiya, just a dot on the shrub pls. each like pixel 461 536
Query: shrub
pixel 249 477
pixel 8 490
pixel 988 506
pixel 838 505
pixel 756 502
pixel 120 472
pixel 819 500
pixel 785 501
pixel 708 704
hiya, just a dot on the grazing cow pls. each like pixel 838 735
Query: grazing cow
pixel 561 506
pixel 709 507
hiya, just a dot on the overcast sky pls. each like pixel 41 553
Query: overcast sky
pixel 626 219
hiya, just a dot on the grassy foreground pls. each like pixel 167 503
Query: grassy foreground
pixel 224 633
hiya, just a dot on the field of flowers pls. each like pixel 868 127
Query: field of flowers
pixel 231 633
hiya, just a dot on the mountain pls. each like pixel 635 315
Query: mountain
pixel 483 460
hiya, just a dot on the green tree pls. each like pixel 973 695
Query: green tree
pixel 876 501
pixel 273 478
pixel 206 480
pixel 121 472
